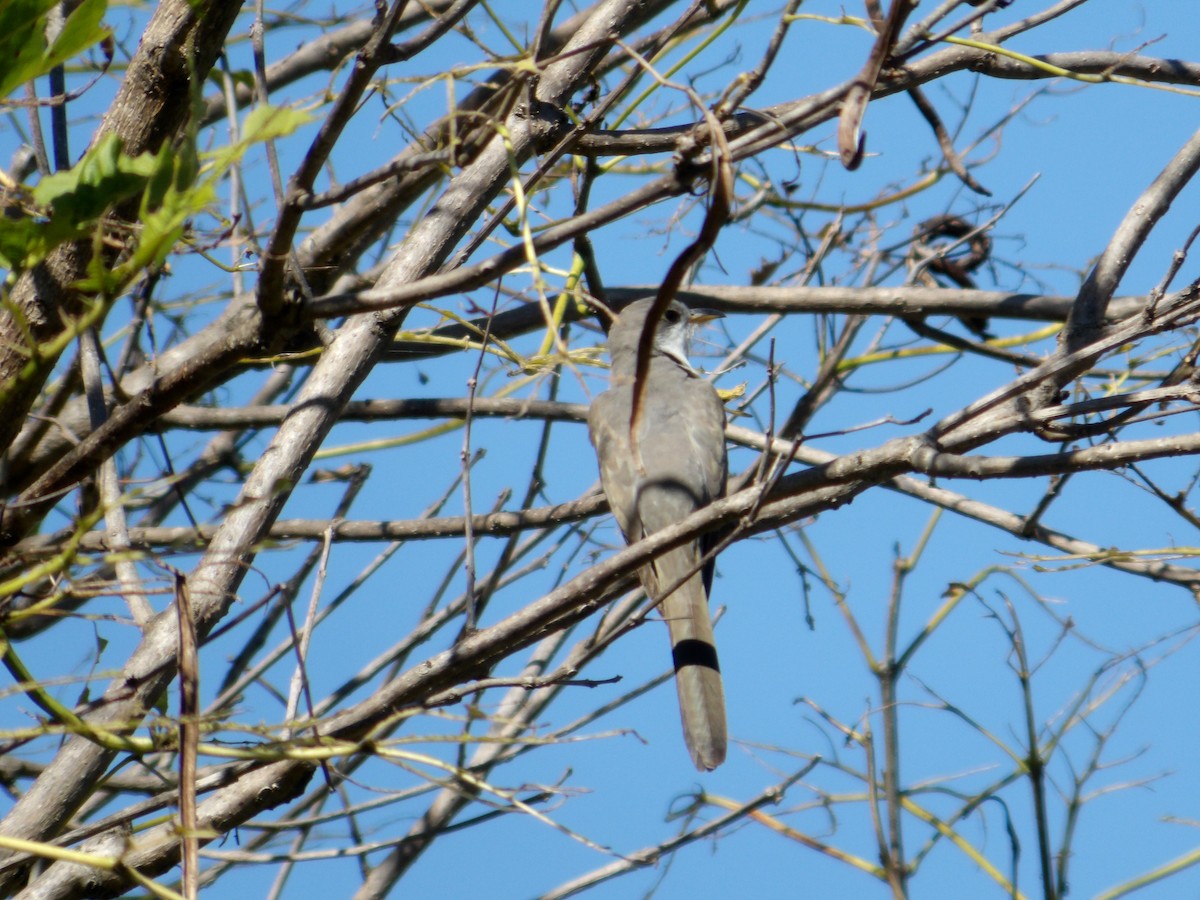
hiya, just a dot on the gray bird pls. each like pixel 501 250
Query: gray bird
pixel 681 442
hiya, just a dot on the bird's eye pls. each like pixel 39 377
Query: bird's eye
pixel 672 316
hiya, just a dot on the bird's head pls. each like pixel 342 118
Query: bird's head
pixel 672 333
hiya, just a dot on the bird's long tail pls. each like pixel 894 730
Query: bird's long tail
pixel 694 651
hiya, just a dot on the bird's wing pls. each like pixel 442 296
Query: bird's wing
pixel 608 427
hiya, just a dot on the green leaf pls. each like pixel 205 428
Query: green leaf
pixel 22 41
pixel 81 30
pixel 20 241
pixel 23 51
pixel 75 199
pixel 103 177
pixel 264 123
pixel 161 181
